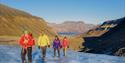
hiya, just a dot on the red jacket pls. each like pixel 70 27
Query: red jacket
pixel 31 41
pixel 26 41
pixel 65 43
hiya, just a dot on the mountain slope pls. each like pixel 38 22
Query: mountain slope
pixel 110 41
pixel 71 26
pixel 13 22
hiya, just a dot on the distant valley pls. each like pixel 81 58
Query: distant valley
pixel 71 27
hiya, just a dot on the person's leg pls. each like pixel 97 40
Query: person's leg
pixel 44 51
pixel 54 52
pixel 23 54
pixel 65 51
pixel 58 52
pixel 29 54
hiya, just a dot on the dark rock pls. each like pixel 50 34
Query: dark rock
pixel 108 42
pixel 120 52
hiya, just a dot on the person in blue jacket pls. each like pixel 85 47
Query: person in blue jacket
pixel 56 46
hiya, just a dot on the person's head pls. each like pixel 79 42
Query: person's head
pixel 31 34
pixel 65 37
pixel 56 37
pixel 26 32
pixel 41 33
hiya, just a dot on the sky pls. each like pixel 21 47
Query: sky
pixel 58 11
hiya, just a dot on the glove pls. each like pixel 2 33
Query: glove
pixel 49 46
pixel 38 47
pixel 60 46
pixel 68 47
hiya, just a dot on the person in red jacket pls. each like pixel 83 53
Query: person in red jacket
pixel 65 45
pixel 26 42
pixel 31 41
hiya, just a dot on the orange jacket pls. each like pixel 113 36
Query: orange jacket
pixel 65 43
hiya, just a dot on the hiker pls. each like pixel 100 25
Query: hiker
pixel 65 45
pixel 56 46
pixel 43 43
pixel 26 42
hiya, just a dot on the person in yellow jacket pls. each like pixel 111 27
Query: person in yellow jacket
pixel 43 43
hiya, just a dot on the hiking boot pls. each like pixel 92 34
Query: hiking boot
pixel 58 55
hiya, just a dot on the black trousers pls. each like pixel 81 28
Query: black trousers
pixel 43 51
pixel 27 51
pixel 58 50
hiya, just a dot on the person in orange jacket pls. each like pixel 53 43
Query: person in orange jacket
pixel 26 42
pixel 65 45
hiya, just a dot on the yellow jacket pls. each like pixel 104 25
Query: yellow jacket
pixel 43 40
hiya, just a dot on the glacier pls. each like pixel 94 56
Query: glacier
pixel 11 54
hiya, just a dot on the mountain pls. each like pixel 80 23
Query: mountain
pixel 107 38
pixel 71 26
pixel 13 22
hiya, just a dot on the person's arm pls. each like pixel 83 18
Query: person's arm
pixel 33 43
pixel 60 44
pixel 68 43
pixel 21 41
pixel 48 43
pixel 38 42
pixel 47 39
pixel 53 43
